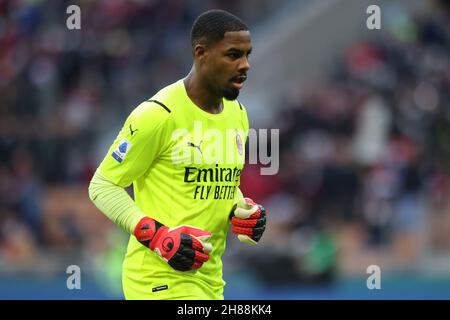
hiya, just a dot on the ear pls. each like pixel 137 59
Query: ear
pixel 200 52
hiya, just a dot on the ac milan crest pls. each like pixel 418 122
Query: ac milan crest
pixel 239 143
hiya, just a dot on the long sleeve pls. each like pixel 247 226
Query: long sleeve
pixel 114 202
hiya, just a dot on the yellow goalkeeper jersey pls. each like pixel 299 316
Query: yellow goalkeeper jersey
pixel 185 165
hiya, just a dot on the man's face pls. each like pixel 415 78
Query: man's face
pixel 226 63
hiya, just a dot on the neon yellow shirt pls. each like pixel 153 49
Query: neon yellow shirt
pixel 184 164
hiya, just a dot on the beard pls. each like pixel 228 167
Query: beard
pixel 230 93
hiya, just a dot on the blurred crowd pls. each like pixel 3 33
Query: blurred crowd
pixel 364 153
pixel 365 156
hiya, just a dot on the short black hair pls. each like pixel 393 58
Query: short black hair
pixel 210 26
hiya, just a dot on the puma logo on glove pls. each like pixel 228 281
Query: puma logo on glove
pixel 184 247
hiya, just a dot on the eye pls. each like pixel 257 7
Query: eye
pixel 234 55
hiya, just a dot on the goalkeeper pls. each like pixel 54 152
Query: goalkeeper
pixel 183 152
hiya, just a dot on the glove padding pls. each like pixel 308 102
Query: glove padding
pixel 248 220
pixel 183 247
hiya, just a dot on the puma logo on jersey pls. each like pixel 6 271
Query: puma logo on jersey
pixel 191 144
pixel 132 131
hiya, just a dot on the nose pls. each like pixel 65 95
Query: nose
pixel 244 65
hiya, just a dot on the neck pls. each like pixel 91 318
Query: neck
pixel 201 94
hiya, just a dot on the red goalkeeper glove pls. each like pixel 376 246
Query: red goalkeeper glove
pixel 183 247
pixel 248 220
